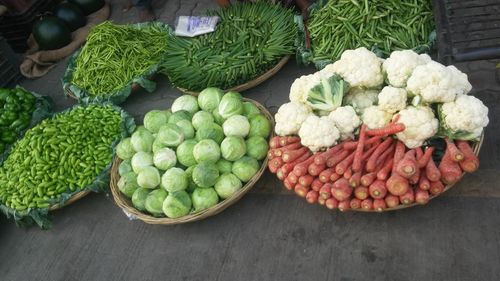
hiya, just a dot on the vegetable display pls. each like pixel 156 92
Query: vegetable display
pixel 190 157
pixel 250 39
pixel 58 158
pixel 374 134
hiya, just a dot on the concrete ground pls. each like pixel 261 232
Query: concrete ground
pixel 270 234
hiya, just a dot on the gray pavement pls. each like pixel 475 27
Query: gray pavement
pixel 270 234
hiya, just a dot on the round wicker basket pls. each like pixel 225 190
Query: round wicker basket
pixel 126 205
pixel 77 196
pixel 248 85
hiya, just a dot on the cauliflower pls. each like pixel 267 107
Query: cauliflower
pixel 361 98
pixel 399 66
pixel 435 82
pixel 392 99
pixel 360 68
pixel 374 117
pixel 289 118
pixel 300 87
pixel 346 121
pixel 318 132
pixel 464 118
pixel 420 124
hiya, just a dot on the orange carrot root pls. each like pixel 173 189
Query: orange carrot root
pixel 379 205
pixel 337 158
pixel 367 179
pixel 306 180
pixel 291 155
pixel 341 190
pixel 361 192
pixel 471 162
pixel 408 165
pixel 397 185
pixel 355 203
pixel 421 196
pixel 358 153
pixel 316 184
pixel 325 175
pixel 424 183
pixel 437 188
pixel 455 154
pixel 326 191
pixel 274 142
pixel 355 180
pixel 344 205
pixel 408 197
pixel 377 189
pixel 422 161
pixel 312 197
pixel 450 170
pixel 289 140
pixel 391 129
pixel 371 164
pixel 315 170
pixel 367 204
pixel 301 190
pixel 332 203
pixel 391 201
pixel 432 172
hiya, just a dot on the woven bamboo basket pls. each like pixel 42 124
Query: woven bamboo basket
pixel 126 204
pixel 77 196
pixel 248 85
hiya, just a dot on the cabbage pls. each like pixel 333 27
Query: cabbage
pixel 191 184
pixel 206 151
pixel 128 184
pixel 257 147
pixel 249 109
pixel 142 140
pixel 170 135
pixel 212 131
pixel 174 179
pixel 209 98
pixel 233 148
pixel 227 184
pixel 157 145
pixel 140 128
pixel 233 94
pixel 185 102
pixel 140 160
pixel 149 177
pixel 124 149
pixel 179 115
pixel 217 118
pixel 259 126
pixel 164 159
pixel 204 198
pixel 154 119
pixel 154 202
pixel 139 198
pixel 186 128
pixel 184 153
pixel 245 168
pixel 229 106
pixel 177 204
pixel 124 167
pixel 224 166
pixel 236 125
pixel 205 174
pixel 202 118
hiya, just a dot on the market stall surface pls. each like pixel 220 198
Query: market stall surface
pixel 270 234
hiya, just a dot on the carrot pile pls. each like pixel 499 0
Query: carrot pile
pixel 376 172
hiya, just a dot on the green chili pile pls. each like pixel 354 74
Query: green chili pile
pixel 115 54
pixel 388 25
pixel 249 40
pixel 62 154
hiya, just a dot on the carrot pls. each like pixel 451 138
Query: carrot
pixel 301 168
pixel 399 153
pixel 278 152
pixel 367 179
pixel 351 145
pixel 344 164
pixel 332 203
pixel 281 174
pixel 288 184
pixel 379 205
pixel 368 153
pixel 383 173
pixel 316 184
pixel 292 178
pixel 289 140
pixel 437 188
pixel 321 158
pixel 408 165
pixel 415 177
pixel 301 190
pixel 391 129
pixel 388 153
pixel 321 201
pixel 290 155
pixel 431 171
pixel 276 162
pixel 312 197
pixel 377 189
pixel 421 196
pixel 450 170
pixel 306 180
pixel 344 205
pixel 325 175
pixel 355 203
pixel 270 154
pixel 341 190
pixel 361 192
pixel 337 158
pixel 358 153
pixel 348 173
pixel 288 167
pixel 391 201
pixel 470 162
pixel 418 152
pixel 367 204
pixel 408 197
pixel 326 191
pixel 372 161
pixel 315 170
pixel 397 185
pixel 455 154
pixel 334 177
pixel 423 182
pixel 273 169
pixel 422 161
pixel 355 180
pixel 274 142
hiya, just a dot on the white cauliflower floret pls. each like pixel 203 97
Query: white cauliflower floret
pixel 289 118
pixel 374 117
pixel 361 98
pixel 392 99
pixel 399 66
pixel 359 67
pixel 346 120
pixel 318 132
pixel 466 115
pixel 300 87
pixel 420 124
pixel 435 82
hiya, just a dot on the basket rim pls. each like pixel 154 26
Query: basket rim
pixel 126 205
pixel 75 197
pixel 250 84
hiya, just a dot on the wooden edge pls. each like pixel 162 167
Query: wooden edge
pixel 251 84
pixel 126 205
pixel 77 196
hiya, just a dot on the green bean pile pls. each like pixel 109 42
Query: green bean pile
pixel 388 24
pixel 250 39
pixel 115 54
pixel 62 154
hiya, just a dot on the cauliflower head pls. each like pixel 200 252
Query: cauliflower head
pixel 392 99
pixel 399 66
pixel 464 118
pixel 420 124
pixel 300 87
pixel 359 67
pixel 435 82
pixel 346 120
pixel 318 132
pixel 289 118
pixel 374 117
pixel 361 98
